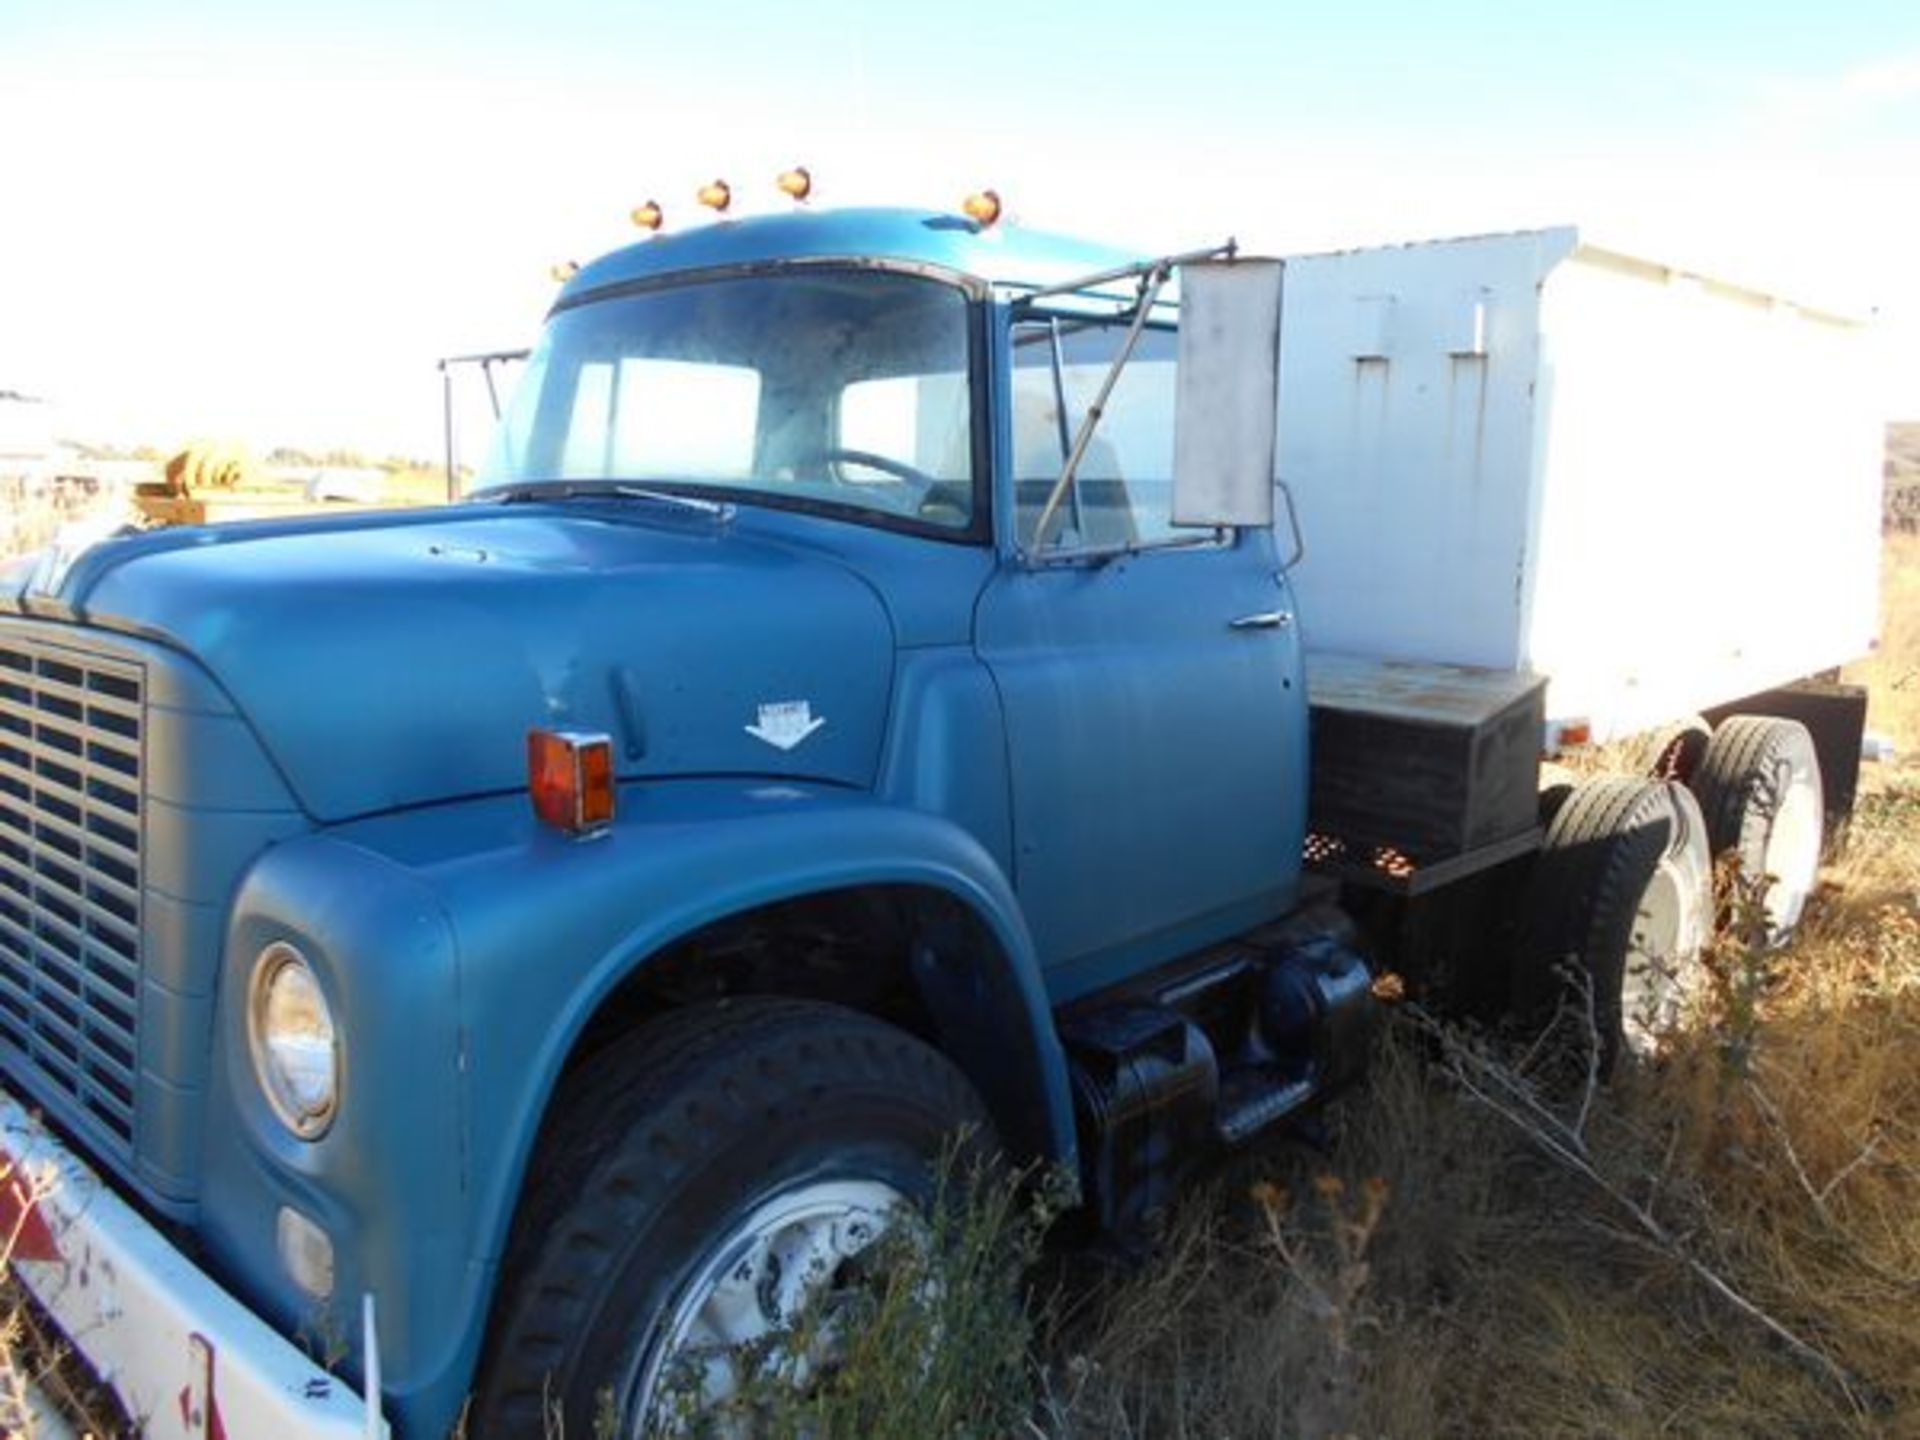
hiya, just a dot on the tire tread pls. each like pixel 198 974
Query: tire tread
pixel 638 1116
pixel 1724 781
pixel 1734 762
pixel 1599 853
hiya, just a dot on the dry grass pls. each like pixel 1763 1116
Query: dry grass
pixel 1438 1272
pixel 1892 675
pixel 1498 1291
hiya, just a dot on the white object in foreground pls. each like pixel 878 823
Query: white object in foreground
pixel 186 1359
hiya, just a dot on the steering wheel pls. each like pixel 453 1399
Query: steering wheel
pixel 831 455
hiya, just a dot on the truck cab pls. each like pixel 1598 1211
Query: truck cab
pixel 832 721
pixel 917 410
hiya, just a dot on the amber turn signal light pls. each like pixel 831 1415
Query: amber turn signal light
pixel 982 207
pixel 570 777
pixel 717 196
pixel 796 183
pixel 648 216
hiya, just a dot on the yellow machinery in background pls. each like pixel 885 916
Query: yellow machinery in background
pixel 209 481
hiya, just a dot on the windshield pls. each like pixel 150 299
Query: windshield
pixel 839 389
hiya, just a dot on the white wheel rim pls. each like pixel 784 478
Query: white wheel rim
pixel 756 1280
pixel 1663 968
pixel 1651 992
pixel 1792 854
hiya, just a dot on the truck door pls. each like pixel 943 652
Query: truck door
pixel 1154 700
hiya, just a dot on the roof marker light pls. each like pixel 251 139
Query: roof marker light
pixel 648 216
pixel 716 196
pixel 982 207
pixel 570 779
pixel 565 270
pixel 796 183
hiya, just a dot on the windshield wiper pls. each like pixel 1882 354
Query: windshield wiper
pixel 718 509
pixel 715 510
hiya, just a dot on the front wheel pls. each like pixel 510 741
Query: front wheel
pixel 712 1177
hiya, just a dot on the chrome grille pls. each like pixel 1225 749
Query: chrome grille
pixel 70 875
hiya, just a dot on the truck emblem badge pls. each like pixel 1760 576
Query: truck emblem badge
pixel 783 724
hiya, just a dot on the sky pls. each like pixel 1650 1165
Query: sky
pixel 266 221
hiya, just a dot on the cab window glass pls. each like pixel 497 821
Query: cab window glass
pixel 1123 494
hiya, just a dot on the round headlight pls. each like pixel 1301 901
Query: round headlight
pixel 295 1054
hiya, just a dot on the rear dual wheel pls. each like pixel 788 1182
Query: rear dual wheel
pixel 1618 909
pixel 1759 789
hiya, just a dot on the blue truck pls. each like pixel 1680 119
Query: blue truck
pixel 521 951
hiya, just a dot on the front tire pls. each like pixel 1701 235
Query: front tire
pixel 708 1176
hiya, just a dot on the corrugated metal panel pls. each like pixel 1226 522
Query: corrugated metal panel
pixel 72 729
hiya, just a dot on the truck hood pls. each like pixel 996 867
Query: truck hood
pixel 401 660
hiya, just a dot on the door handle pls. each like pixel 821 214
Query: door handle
pixel 1263 620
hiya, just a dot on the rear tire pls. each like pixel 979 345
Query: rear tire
pixel 1759 788
pixel 1556 784
pixel 1675 751
pixel 761 1135
pixel 1622 891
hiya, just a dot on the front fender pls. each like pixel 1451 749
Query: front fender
pixel 546 927
pixel 389 1182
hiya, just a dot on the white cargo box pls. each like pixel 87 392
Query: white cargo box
pixel 1659 490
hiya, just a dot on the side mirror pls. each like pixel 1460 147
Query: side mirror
pixel 1227 400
